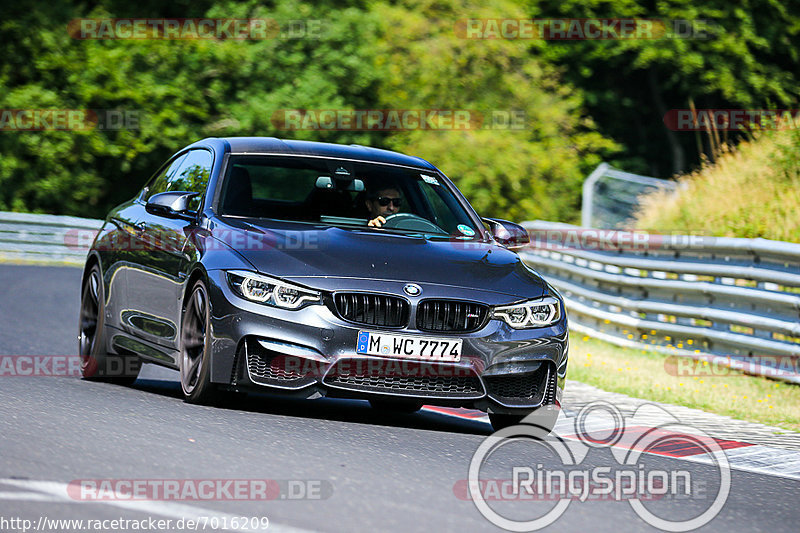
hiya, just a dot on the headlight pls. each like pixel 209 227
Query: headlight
pixel 531 314
pixel 270 291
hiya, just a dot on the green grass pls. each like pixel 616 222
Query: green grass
pixel 646 375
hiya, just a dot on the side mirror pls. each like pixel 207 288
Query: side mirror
pixel 512 236
pixel 171 204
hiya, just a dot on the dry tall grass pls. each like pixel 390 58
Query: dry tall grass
pixel 750 191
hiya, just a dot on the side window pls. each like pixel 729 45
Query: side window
pixel 160 182
pixel 193 175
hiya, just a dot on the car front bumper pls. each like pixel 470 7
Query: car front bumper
pixel 311 352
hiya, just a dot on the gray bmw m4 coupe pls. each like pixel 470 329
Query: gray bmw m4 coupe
pixel 313 269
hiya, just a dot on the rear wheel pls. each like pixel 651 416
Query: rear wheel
pixel 96 364
pixel 195 348
pixel 397 406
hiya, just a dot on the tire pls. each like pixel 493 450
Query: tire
pixel 96 363
pixel 396 406
pixel 195 360
pixel 544 417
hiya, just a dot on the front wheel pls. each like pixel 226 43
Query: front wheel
pixel 195 361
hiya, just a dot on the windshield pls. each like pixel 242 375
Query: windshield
pixel 342 193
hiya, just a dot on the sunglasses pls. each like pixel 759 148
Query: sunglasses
pixel 386 200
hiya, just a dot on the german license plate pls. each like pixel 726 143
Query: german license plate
pixel 408 346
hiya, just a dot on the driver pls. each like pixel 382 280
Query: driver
pixel 381 203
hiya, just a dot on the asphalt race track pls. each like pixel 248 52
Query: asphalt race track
pixel 340 465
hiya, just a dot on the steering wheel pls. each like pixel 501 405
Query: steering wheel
pixel 411 222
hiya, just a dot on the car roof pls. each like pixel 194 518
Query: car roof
pixel 273 145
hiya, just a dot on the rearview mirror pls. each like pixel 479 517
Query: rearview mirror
pixel 326 182
pixel 171 203
pixel 512 236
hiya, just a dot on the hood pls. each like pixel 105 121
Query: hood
pixel 322 256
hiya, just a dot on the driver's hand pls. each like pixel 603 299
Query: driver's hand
pixel 377 222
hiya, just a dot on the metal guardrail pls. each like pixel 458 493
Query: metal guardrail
pixel 47 239
pixel 686 295
pixel 611 196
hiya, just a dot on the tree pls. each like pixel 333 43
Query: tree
pixel 180 91
pixel 737 55
pixel 532 172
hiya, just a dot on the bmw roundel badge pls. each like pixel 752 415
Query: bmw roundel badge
pixel 412 289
